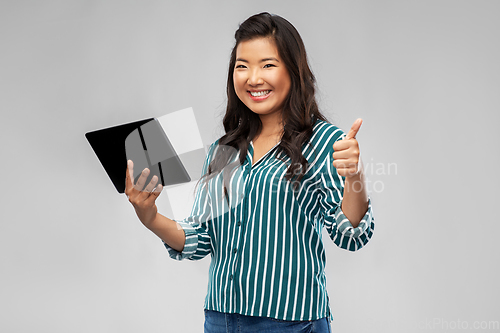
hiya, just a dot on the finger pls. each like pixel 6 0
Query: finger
pixel 142 180
pixel 344 164
pixel 343 144
pixel 154 194
pixel 354 129
pixel 151 184
pixel 158 190
pixel 344 154
pixel 128 176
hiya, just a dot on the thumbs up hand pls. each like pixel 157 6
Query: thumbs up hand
pixel 346 153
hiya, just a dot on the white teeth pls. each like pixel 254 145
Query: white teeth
pixel 259 93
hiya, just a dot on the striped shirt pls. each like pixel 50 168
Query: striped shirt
pixel 266 247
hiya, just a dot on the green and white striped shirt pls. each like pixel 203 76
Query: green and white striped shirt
pixel 268 257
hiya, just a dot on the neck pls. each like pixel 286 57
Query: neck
pixel 272 125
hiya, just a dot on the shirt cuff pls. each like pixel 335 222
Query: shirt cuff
pixel 345 227
pixel 190 245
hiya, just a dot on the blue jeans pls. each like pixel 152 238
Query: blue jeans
pixel 218 322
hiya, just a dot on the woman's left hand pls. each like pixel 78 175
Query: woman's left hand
pixel 346 153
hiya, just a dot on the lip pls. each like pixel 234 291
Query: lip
pixel 259 98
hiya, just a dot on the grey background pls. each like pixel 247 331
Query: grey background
pixel 424 76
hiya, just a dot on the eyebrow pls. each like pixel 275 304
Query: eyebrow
pixel 263 60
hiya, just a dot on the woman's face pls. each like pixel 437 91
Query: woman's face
pixel 260 77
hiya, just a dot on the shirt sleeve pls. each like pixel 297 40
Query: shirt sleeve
pixel 197 244
pixel 340 229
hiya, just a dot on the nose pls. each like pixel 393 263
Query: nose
pixel 254 78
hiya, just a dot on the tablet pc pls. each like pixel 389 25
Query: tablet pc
pixel 146 144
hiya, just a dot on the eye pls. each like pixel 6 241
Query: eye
pixel 240 66
pixel 269 65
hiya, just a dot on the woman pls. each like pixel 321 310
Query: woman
pixel 279 174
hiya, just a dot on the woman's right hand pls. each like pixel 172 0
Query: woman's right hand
pixel 142 198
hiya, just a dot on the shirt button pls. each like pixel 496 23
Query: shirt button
pixel 231 277
pixel 235 250
pixel 239 223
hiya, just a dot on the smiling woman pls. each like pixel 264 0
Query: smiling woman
pixel 262 83
pixel 269 186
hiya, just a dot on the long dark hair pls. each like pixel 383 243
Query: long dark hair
pixel 300 110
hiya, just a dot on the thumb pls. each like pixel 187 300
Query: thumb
pixel 354 129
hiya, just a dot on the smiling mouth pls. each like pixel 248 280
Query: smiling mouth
pixel 259 93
